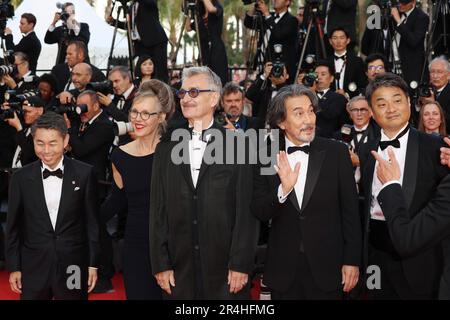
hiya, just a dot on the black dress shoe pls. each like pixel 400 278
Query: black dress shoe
pixel 103 286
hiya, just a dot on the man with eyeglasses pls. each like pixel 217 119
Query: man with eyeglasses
pixel 23 79
pixel 375 65
pixel 202 234
pixel 81 76
pixel 439 78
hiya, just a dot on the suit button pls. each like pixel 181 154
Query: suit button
pixel 196 247
pixel 194 221
pixel 194 197
pixel 301 217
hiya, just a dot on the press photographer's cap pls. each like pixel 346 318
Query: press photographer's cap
pixel 35 101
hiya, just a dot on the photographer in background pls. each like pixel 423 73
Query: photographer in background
pixel 232 100
pixel 76 53
pixel 124 92
pixel 70 30
pixel 21 78
pixel 331 114
pixel 29 44
pixel 32 108
pixel 48 89
pixel 81 76
pixel 147 34
pixel 279 27
pixel 265 87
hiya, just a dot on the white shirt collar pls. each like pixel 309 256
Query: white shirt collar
pixel 26 34
pixel 128 92
pixel 340 55
pixel 95 117
pixel 384 137
pixel 281 14
pixel 59 166
pixel 442 88
pixel 289 143
pixel 409 11
pixel 363 128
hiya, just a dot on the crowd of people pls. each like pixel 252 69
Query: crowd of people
pixel 350 170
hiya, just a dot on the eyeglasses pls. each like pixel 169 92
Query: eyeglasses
pixel 361 110
pixel 144 114
pixel 375 68
pixel 193 92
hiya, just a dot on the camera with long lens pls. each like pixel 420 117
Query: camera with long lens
pixel 4 70
pixel 422 90
pixel 121 128
pixel 70 108
pixel 309 79
pixel 278 64
pixel 15 99
pixel 9 113
pixel 105 87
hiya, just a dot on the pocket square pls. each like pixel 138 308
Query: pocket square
pixel 76 189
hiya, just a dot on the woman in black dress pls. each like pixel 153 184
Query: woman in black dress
pixel 210 24
pixel 144 71
pixel 132 170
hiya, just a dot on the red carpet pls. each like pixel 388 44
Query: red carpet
pixel 117 294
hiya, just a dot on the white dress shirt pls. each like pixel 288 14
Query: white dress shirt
pixel 339 66
pixel 52 192
pixel 400 154
pixel 293 158
pixel 196 151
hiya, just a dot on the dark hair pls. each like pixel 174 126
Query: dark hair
pixel 91 94
pixel 385 80
pixel 276 112
pixel 50 120
pixel 22 55
pixel 373 57
pixel 80 47
pixel 31 18
pixel 231 87
pixel 141 60
pixel 339 28
pixel 326 63
pixel 51 80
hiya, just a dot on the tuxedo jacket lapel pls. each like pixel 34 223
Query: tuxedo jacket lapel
pixel 411 166
pixel 66 191
pixel 369 167
pixel 316 157
pixel 37 186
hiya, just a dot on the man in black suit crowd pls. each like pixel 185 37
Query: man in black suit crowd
pixel 202 246
pixel 29 44
pixel 418 156
pixel 76 53
pixel 349 78
pixel 52 233
pixel 80 77
pixel 148 35
pixel 340 13
pixel 24 154
pixel 314 247
pixel 279 27
pixel 331 114
pixel 233 97
pixel 70 30
pixel 440 81
pixel 22 79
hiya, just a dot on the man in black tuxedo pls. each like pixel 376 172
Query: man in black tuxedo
pixel 52 233
pixel 29 44
pixel 418 157
pixel 349 78
pixel 24 154
pixel 340 13
pixel 76 53
pixel 202 234
pixel 233 106
pixel 148 35
pixel 440 81
pixel 331 114
pixel 279 27
pixel 314 247
pixel 411 25
pixel 70 30
pixel 23 79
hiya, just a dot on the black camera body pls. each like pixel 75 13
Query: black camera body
pixel 247 2
pixel 4 70
pixel 70 108
pixel 14 97
pixel 424 90
pixel 309 79
pixel 105 87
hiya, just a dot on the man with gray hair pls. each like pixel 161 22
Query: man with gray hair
pixel 439 78
pixel 314 247
pixel 202 234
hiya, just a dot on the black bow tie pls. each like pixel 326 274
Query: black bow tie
pixel 355 131
pixel 202 134
pixel 57 173
pixel 321 92
pixel 120 97
pixel 305 149
pixel 395 143
pixel 277 16
pixel 337 58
